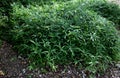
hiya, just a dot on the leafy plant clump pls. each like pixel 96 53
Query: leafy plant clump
pixel 65 34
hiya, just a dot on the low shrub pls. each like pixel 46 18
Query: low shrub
pixel 65 34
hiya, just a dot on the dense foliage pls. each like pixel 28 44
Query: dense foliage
pixel 62 33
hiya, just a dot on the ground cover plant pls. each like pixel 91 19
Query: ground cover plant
pixel 61 34
pixel 64 34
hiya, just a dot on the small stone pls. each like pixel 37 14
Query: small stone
pixel 118 65
pixel 24 70
pixel 69 72
pixel 19 57
pixel 20 74
pixel 23 62
pixel 40 75
pixel 1 73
